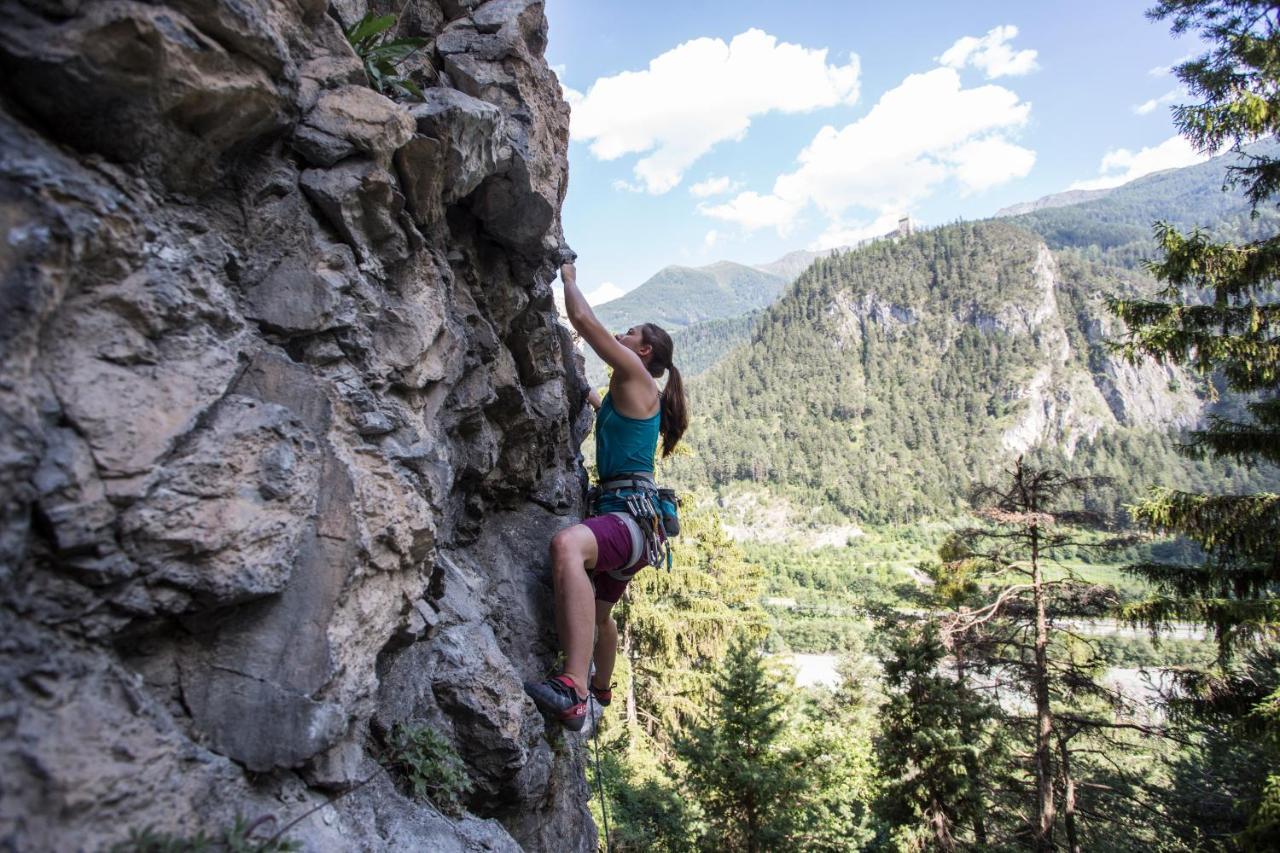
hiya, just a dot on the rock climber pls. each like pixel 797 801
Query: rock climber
pixel 592 562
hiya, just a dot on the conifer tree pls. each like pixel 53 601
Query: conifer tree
pixel 1220 313
pixel 930 745
pixel 673 623
pixel 748 785
pixel 1009 624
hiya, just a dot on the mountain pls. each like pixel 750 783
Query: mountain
pixel 700 346
pixel 1117 227
pixel 677 296
pixel 1062 199
pixel 888 379
pixel 684 298
pixel 790 265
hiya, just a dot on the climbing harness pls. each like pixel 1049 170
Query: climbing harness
pixel 654 510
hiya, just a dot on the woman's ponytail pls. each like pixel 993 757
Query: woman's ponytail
pixel 675 414
pixel 674 407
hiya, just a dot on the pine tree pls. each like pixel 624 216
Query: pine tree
pixel 674 623
pixel 930 745
pixel 747 784
pixel 1009 626
pixel 1219 313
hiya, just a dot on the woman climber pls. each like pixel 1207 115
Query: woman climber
pixel 592 562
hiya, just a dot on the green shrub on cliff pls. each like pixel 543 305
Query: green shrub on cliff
pixel 428 763
pixel 383 55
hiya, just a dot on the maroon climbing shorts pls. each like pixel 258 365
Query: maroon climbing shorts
pixel 613 552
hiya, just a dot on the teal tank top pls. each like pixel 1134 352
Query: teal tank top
pixel 623 446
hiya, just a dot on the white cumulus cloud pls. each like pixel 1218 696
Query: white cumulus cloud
pixel 1167 98
pixel 1120 165
pixel 992 54
pixel 711 238
pixel 984 163
pixel 701 93
pixel 714 186
pixel 604 293
pixel 925 131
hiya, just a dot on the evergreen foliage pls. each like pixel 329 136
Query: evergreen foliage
pixel 747 782
pixel 938 734
pixel 1116 229
pixel 884 381
pixel 676 625
pixel 1217 313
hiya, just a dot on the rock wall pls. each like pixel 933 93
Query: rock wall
pixel 286 421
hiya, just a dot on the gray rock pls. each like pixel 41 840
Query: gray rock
pixel 284 427
pixel 200 530
pixel 362 201
pixel 368 122
pixel 471 131
pixel 294 298
pixel 178 98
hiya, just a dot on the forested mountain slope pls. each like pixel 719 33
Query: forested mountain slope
pixel 1117 228
pixel 676 296
pixel 687 297
pixel 889 378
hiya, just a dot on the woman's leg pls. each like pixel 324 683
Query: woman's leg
pixel 606 644
pixel 573 551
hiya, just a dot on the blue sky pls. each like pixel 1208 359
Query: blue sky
pixel 743 130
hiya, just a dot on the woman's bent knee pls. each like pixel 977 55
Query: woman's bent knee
pixel 570 547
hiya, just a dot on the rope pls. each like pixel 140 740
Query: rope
pixel 604 806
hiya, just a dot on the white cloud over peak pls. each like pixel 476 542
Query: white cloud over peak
pixel 1167 98
pixel 985 163
pixel 604 293
pixel 701 93
pixel 714 186
pixel 923 132
pixel 992 54
pixel 1120 165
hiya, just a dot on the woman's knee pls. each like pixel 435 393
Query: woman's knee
pixel 569 548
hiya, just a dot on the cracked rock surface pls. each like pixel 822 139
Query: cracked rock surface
pixel 286 422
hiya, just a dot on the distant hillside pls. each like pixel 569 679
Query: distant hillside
pixel 790 265
pixel 888 379
pixel 676 296
pixel 1117 228
pixel 1062 199
pixel 700 346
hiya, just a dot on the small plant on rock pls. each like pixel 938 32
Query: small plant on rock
pixel 383 55
pixel 429 764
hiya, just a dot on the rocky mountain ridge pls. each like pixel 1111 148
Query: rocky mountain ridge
pixel 286 422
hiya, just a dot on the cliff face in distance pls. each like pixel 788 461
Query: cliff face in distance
pixel 286 421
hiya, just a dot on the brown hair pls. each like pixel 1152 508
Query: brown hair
pixel 675 414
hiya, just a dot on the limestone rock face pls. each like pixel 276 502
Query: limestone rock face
pixel 286 423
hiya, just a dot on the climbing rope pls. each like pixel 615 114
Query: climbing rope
pixel 595 745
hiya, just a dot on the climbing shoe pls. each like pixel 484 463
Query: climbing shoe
pixel 602 695
pixel 558 697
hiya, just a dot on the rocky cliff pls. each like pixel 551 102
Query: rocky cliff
pixel 286 420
